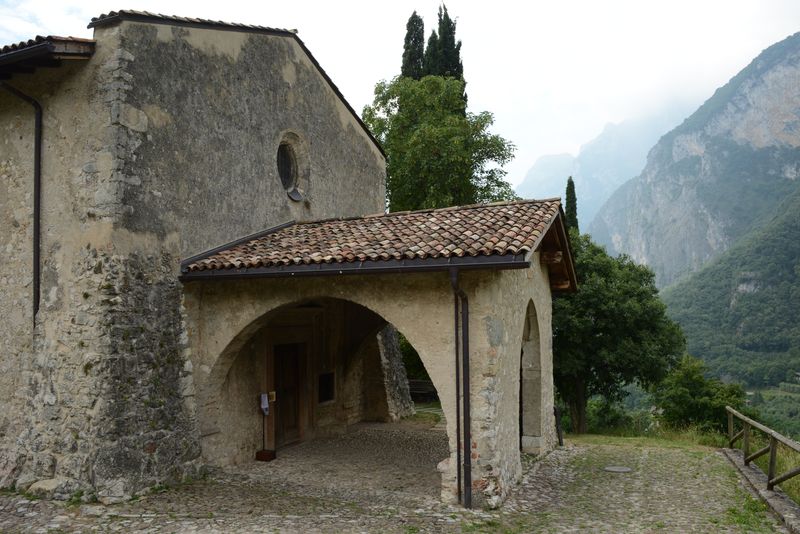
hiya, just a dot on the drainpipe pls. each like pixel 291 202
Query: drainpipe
pixel 461 298
pixel 37 192
pixel 454 283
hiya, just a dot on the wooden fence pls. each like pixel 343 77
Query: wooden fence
pixel 748 425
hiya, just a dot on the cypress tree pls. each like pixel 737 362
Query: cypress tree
pixel 432 61
pixel 414 48
pixel 571 206
pixel 449 49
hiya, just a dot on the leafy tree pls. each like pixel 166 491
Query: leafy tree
pixel 686 397
pixel 414 48
pixel 612 332
pixel 437 153
pixel 571 206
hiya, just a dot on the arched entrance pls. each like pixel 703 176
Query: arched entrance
pixel 530 385
pixel 324 367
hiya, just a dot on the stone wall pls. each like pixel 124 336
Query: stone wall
pixel 498 308
pixel 221 316
pixel 48 431
pixel 162 145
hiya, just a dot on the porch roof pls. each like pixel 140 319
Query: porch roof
pixel 502 235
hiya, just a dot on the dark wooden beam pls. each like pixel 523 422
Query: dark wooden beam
pixel 551 257
pixel 560 283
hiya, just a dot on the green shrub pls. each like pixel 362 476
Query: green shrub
pixel 415 369
pixel 687 398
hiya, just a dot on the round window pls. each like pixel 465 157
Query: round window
pixel 287 170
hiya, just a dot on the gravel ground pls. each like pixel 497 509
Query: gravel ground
pixel 382 478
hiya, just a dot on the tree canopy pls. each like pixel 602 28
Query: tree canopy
pixel 686 397
pixel 612 332
pixel 437 153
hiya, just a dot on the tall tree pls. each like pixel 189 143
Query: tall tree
pixel 432 61
pixel 414 48
pixel 449 49
pixel 612 332
pixel 437 154
pixel 571 206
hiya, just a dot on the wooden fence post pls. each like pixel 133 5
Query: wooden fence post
pixel 746 443
pixel 773 458
pixel 730 427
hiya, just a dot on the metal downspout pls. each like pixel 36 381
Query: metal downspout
pixel 454 283
pixel 461 297
pixel 37 192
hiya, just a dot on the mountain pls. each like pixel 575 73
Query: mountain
pixel 716 177
pixel 741 312
pixel 616 155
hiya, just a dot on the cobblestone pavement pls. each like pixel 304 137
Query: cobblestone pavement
pixel 382 478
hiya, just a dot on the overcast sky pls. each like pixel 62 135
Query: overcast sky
pixel 553 72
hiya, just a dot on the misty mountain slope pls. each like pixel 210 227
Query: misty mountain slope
pixel 618 154
pixel 741 312
pixel 715 177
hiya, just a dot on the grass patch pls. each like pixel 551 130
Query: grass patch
pixel 750 514
pixel 665 438
pixel 424 417
pixel 75 499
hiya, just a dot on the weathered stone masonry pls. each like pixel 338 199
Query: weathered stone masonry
pixel 162 144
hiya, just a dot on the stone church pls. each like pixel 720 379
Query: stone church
pixel 197 270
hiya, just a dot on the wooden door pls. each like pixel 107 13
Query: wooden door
pixel 288 383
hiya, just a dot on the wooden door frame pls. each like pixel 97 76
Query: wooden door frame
pixel 287 335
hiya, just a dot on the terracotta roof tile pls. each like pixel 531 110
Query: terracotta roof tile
pixel 39 39
pixel 130 13
pixel 500 229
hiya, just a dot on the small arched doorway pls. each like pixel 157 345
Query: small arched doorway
pixel 530 385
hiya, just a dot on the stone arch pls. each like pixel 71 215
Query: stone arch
pixel 530 384
pixel 221 318
pixel 222 363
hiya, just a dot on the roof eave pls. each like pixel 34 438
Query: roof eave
pixel 414 265
pixel 48 53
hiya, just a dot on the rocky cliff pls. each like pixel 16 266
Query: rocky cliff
pixel 618 154
pixel 717 176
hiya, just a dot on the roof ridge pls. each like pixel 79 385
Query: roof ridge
pixel 433 210
pixel 111 16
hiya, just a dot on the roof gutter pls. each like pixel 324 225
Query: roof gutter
pixel 37 192
pixel 415 265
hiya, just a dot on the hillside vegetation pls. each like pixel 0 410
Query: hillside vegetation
pixel 715 178
pixel 741 313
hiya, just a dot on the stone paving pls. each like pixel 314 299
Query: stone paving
pixel 382 478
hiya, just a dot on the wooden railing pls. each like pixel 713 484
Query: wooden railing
pixel 773 479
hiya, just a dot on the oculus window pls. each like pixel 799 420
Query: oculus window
pixel 287 170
